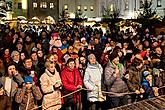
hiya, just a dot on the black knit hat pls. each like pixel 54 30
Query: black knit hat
pixel 113 55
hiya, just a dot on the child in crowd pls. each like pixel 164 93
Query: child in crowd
pixel 28 95
pixel 148 86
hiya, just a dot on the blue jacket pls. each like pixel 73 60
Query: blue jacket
pixel 149 93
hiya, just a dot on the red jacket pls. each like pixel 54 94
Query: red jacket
pixel 70 80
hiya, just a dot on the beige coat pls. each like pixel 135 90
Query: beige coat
pixel 51 99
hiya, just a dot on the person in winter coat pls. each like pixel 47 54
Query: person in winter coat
pixel 148 86
pixel 5 102
pixel 71 81
pixel 28 95
pixel 11 82
pixel 50 85
pixel 113 79
pixel 28 69
pixel 92 81
pixel 135 77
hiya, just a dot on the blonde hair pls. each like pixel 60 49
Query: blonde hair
pixel 48 63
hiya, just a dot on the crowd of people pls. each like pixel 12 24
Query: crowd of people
pixel 75 67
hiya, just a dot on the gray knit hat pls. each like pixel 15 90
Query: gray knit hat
pixel 90 56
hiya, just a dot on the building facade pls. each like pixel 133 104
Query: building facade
pixel 16 8
pixel 43 9
pixel 86 8
pixel 129 9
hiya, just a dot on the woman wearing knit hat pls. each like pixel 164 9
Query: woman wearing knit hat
pixel 114 82
pixel 28 95
pixel 92 81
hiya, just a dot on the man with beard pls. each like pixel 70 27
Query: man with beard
pixel 82 65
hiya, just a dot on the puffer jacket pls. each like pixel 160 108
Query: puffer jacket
pixel 27 98
pixel 50 86
pixel 70 80
pixel 115 84
pixel 92 81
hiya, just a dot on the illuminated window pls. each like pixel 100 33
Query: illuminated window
pixel 159 3
pixel 34 5
pixel 19 5
pixel 111 7
pixel 65 7
pixel 79 8
pixel 85 8
pixel 51 5
pixel 91 8
pixel 126 5
pixel 43 5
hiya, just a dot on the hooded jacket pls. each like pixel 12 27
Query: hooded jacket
pixel 92 81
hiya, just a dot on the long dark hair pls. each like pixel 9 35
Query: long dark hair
pixel 6 68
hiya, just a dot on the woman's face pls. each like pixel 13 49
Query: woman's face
pixel 51 58
pixel 146 43
pixel 71 65
pixel 125 46
pixel 55 57
pixel 149 77
pixel 22 56
pixel 140 47
pixel 55 50
pixel 64 42
pixel 51 67
pixel 40 53
pixel 92 60
pixel 70 49
pixel 11 69
pixel 28 39
pixel 7 52
pixel 116 60
pixel 39 46
pixel 34 56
